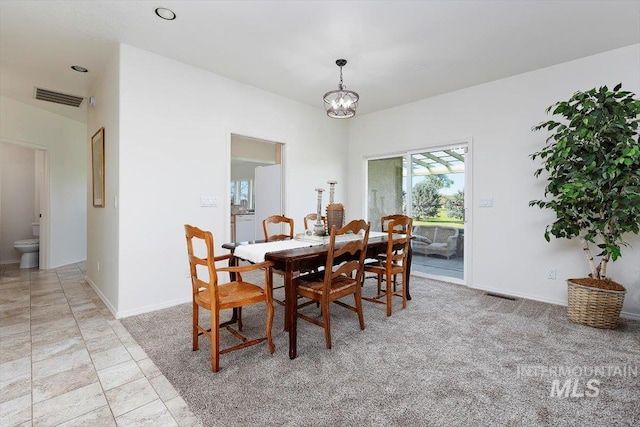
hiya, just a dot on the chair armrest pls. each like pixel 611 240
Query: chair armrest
pixel 222 257
pixel 250 267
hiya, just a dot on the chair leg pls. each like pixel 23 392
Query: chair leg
pixel 326 317
pixel 196 311
pixel 215 340
pixel 270 310
pixel 379 283
pixel 404 288
pixel 357 296
pixel 239 318
pixel 389 293
pixel 270 344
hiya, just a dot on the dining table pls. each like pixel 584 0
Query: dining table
pixel 296 257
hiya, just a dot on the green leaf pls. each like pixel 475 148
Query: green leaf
pixel 591 161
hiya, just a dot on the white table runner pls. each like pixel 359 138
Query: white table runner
pixel 255 252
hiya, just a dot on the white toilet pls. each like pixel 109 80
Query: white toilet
pixel 29 248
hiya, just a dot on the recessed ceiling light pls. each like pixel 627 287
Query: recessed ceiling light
pixel 79 69
pixel 165 13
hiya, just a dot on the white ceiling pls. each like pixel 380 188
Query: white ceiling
pixel 398 51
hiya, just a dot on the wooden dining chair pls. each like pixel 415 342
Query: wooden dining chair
pixel 278 227
pixel 341 277
pixel 310 220
pixel 210 295
pixel 393 262
pixel 385 220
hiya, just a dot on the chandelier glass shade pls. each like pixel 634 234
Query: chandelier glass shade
pixel 341 103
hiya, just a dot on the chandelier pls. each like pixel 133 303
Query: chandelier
pixel 341 103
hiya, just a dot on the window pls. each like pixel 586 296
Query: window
pixel 242 192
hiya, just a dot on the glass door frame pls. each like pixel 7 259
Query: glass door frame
pixel 465 143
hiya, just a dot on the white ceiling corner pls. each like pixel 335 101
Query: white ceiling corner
pixel 397 51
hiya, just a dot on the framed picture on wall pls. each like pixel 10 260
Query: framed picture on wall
pixel 97 168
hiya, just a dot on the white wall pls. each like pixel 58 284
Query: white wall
pixel 17 203
pixel 175 123
pixel 245 170
pixel 509 252
pixel 103 223
pixel 65 141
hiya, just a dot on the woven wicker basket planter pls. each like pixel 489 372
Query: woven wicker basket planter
pixel 598 308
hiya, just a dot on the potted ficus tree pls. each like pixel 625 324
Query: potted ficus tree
pixel 591 161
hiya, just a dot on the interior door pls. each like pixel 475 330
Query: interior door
pixel 268 194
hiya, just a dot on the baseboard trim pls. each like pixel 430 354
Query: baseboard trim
pixel 102 297
pixel 624 314
pixel 630 316
pixel 150 308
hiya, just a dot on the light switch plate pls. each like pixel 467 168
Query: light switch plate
pixel 208 201
pixel 486 203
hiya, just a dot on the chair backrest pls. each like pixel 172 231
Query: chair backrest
pixel 384 221
pixel 197 238
pixel 343 259
pixel 399 235
pixel 311 219
pixel 276 222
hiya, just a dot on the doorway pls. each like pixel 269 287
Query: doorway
pixel 438 180
pixel 256 184
pixel 24 198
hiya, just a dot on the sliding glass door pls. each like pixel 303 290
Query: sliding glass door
pixel 436 203
pixel 385 189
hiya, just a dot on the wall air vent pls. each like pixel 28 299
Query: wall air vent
pixel 496 295
pixel 57 97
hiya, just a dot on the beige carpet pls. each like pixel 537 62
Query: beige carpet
pixel 454 357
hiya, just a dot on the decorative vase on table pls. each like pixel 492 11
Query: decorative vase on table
pixel 335 211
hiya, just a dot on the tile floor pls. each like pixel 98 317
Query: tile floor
pixel 65 360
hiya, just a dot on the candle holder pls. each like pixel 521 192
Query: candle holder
pixel 318 227
pixel 332 190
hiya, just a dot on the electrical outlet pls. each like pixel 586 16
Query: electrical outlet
pixel 551 275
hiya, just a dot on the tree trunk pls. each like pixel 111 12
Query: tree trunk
pixel 602 269
pixel 587 253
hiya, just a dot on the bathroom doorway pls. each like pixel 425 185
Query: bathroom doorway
pixel 24 199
